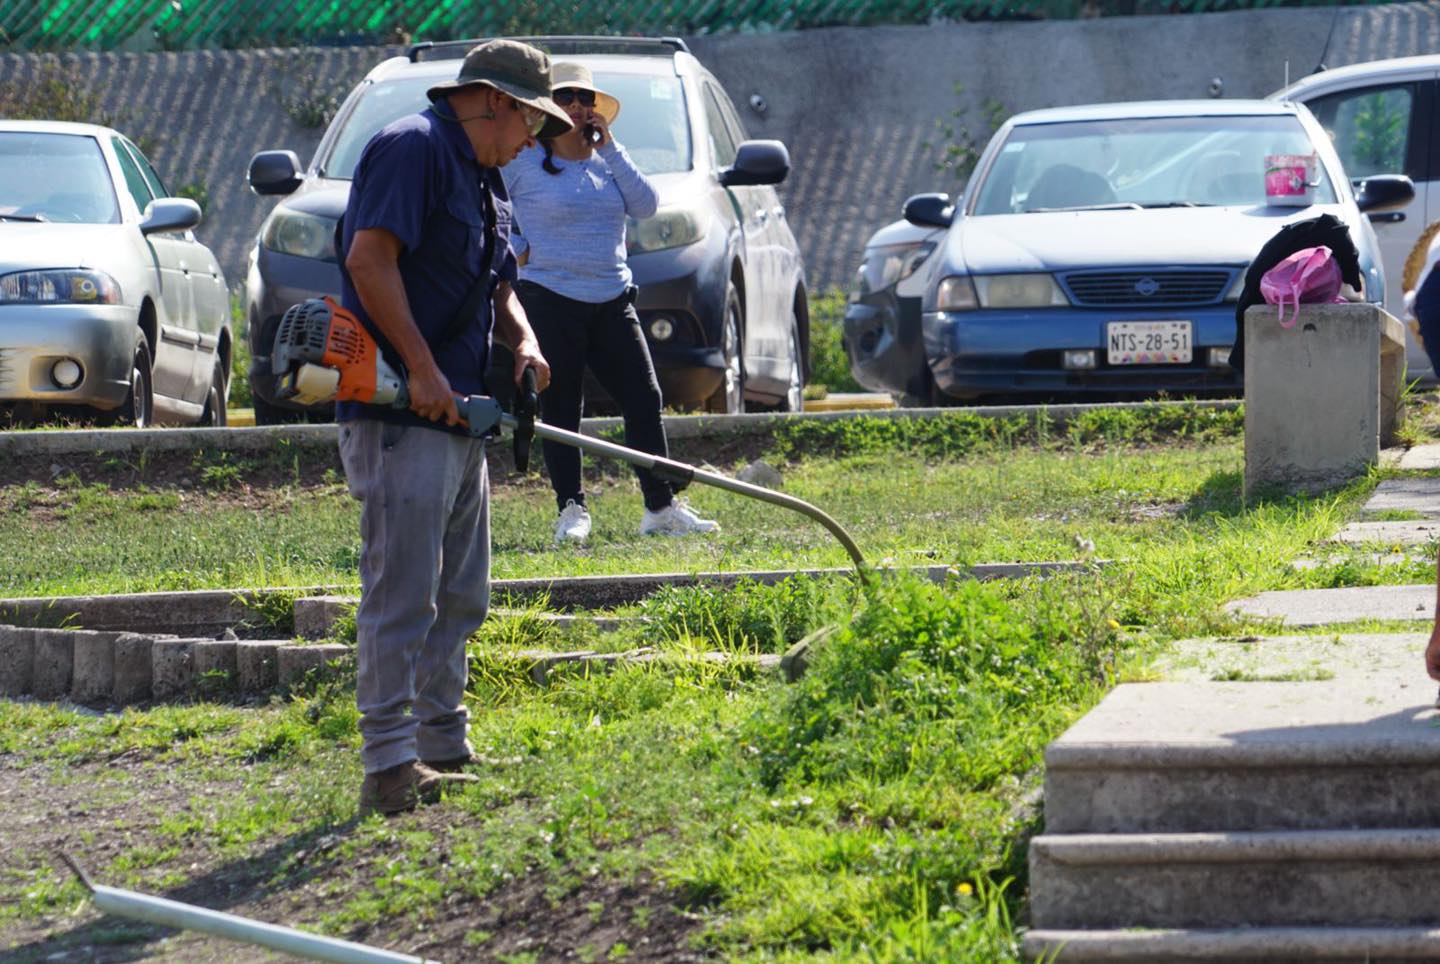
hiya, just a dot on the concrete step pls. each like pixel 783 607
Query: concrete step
pixel 1344 753
pixel 1238 945
pixel 317 616
pixel 1357 878
pixel 1325 607
pixel 1421 532
pixel 1420 496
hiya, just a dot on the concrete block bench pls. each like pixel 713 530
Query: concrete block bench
pixel 1321 398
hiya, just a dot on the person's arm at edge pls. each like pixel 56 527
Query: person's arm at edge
pixel 513 330
pixel 373 264
pixel 1432 648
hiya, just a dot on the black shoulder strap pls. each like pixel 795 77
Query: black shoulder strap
pixel 480 290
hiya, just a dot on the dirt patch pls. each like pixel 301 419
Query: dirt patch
pixel 100 811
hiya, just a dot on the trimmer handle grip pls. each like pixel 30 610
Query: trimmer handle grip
pixel 527 404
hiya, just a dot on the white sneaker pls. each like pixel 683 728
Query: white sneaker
pixel 676 519
pixel 574 523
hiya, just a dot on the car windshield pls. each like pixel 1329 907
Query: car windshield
pixel 1150 162
pixel 652 125
pixel 55 177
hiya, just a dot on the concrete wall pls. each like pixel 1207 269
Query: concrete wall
pixel 857 106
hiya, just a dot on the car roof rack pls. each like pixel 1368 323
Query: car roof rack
pixel 565 44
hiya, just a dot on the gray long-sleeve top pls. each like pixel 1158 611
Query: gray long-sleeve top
pixel 573 223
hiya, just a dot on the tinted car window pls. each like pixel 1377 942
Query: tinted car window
pixel 721 143
pixel 134 180
pixel 1150 162
pixel 652 123
pixel 1370 127
pixel 157 187
pixel 62 177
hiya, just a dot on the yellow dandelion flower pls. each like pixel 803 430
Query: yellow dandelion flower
pixel 964 889
pixel 1114 624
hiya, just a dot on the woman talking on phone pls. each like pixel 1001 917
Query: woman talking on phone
pixel 571 195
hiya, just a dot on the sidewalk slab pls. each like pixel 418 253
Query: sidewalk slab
pixel 1324 607
pixel 1417 533
pixel 1421 457
pixel 1420 496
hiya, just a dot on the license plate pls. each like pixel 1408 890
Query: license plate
pixel 1148 342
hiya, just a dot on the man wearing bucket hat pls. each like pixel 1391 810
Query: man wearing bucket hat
pixel 427 267
pixel 572 195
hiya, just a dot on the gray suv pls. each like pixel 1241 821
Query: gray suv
pixel 722 287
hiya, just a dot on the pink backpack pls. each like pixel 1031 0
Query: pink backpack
pixel 1309 276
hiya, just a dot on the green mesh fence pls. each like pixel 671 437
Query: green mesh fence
pixel 188 24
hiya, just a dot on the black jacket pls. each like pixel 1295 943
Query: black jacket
pixel 1326 230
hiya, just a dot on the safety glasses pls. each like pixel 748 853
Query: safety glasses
pixel 567 95
pixel 534 117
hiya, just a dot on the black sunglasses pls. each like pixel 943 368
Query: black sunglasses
pixel 565 95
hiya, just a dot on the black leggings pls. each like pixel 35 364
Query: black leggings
pixel 607 337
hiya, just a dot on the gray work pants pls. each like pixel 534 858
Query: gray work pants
pixel 424 585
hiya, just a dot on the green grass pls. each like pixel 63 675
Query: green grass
pixel 877 810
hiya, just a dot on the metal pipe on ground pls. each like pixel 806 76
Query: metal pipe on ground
pixel 172 913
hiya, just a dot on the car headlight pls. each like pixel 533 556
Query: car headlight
pixel 70 286
pixel 303 235
pixel 1019 291
pixel 667 228
pixel 956 293
pixel 886 265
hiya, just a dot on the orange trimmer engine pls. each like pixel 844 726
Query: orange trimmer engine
pixel 324 354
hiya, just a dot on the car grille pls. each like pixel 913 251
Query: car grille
pixel 1143 288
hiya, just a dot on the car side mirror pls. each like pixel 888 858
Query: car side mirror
pixel 274 172
pixel 757 162
pixel 170 214
pixel 930 210
pixel 1384 192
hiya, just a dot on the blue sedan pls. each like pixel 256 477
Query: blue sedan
pixel 1100 251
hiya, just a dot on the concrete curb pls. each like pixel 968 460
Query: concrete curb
pixel 86 441
pixel 120 669
pixel 207 612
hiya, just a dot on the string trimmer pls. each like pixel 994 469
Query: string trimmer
pixel 324 354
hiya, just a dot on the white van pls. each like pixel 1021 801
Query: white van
pixel 1380 117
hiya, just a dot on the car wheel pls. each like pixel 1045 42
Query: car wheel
pixel 138 409
pixel 794 399
pixel 214 414
pixel 267 414
pixel 729 398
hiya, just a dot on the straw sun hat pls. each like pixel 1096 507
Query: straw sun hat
pixel 1410 274
pixel 569 74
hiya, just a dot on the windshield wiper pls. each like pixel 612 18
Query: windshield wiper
pixel 1177 204
pixel 1112 206
pixel 23 217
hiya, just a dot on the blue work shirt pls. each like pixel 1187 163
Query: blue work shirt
pixel 418 179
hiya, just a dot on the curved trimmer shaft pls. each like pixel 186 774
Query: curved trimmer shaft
pixel 682 475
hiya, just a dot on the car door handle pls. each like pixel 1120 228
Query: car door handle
pixel 1387 217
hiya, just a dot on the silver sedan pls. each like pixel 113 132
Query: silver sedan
pixel 108 304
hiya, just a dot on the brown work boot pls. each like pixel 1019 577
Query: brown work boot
pixel 455 764
pixel 404 787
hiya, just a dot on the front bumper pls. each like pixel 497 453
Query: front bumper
pixel 883 342
pixel 973 353
pixel 101 338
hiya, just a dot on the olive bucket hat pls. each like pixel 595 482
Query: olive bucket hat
pixel 513 68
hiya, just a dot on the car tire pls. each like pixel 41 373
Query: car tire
pixel 267 414
pixel 729 398
pixel 214 415
pixel 794 399
pixel 138 409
